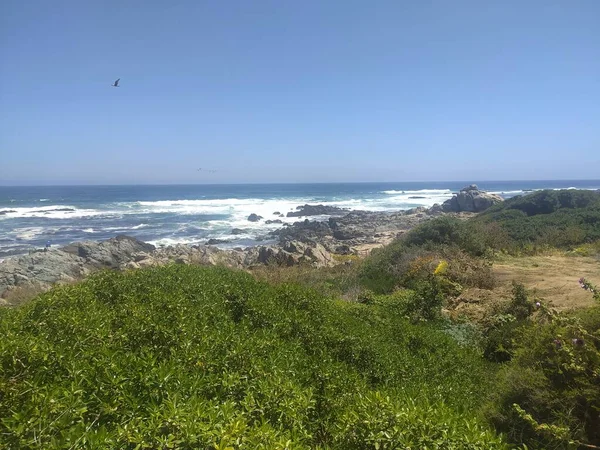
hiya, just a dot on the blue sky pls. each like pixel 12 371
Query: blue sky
pixel 298 91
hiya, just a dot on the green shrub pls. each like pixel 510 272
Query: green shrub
pixel 194 357
pixel 548 396
pixel 560 219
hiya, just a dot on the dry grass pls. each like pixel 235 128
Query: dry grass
pixel 551 278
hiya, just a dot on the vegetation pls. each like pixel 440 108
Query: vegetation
pixel 567 219
pixel 560 219
pixel 190 357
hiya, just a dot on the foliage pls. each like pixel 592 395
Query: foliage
pixel 561 219
pixel 548 396
pixel 500 329
pixel 193 357
pixel 410 260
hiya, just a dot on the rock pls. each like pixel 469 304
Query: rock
pixel 6 211
pixel 269 222
pixel 319 255
pixel 435 210
pixel 344 250
pixel 110 253
pixel 471 199
pixel 213 241
pixel 277 213
pixel 416 196
pixel 238 231
pixel 317 210
pixel 303 231
pixel 254 217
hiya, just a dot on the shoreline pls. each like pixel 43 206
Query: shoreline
pixel 317 243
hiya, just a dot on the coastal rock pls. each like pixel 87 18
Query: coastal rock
pixel 471 199
pixel 435 210
pixel 268 222
pixel 254 217
pixel 317 210
pixel 238 231
pixel 111 253
pixel 213 241
pixel 293 253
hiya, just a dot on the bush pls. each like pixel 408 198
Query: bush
pixel 560 219
pixel 195 357
pixel 548 396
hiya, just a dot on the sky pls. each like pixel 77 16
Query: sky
pixel 298 91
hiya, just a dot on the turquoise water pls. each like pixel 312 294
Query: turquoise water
pixel 31 216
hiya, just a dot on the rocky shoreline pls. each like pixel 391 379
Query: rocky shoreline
pixel 318 243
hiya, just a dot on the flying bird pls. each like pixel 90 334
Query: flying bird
pixel 116 83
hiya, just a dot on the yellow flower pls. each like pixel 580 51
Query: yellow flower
pixel 441 268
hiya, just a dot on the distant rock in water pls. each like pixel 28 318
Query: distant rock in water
pixel 254 217
pixel 268 222
pixel 416 196
pixel 471 199
pixel 214 241
pixel 7 211
pixel 317 210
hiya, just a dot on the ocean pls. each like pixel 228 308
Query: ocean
pixel 192 214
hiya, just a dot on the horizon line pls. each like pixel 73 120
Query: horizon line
pixel 292 183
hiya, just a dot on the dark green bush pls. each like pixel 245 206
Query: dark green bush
pixel 548 396
pixel 189 357
pixel 547 218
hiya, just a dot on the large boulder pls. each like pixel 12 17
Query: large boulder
pixel 254 217
pixel 471 199
pixel 110 253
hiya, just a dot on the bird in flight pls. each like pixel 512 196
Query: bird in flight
pixel 116 83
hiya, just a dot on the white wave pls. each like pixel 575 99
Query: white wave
pixel 419 192
pixel 89 230
pixel 53 212
pixel 517 192
pixel 44 200
pixel 29 233
pixel 174 241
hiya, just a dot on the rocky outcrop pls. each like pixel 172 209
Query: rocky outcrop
pixel 40 270
pixel 317 210
pixel 254 217
pixel 294 252
pixel 112 253
pixel 214 241
pixel 471 199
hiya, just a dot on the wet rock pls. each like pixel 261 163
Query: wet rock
pixel 317 210
pixel 214 241
pixel 254 217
